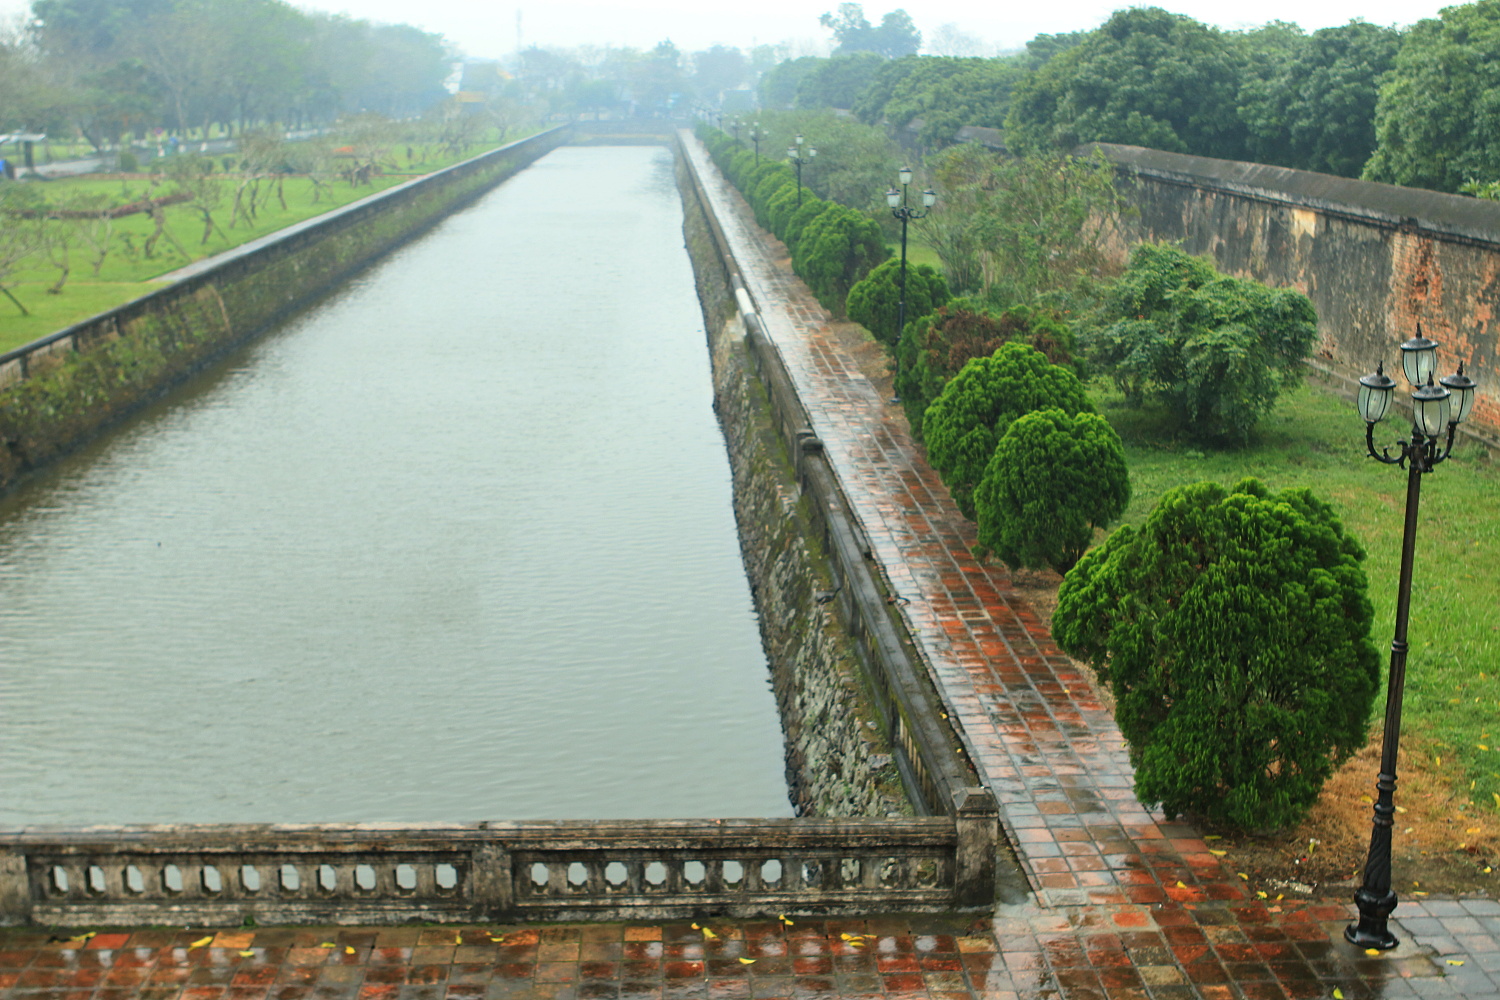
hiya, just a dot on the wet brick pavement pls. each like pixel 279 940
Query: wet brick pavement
pixel 1126 905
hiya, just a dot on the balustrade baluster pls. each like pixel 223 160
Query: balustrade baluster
pixel 557 878
pixel 713 875
pixel 676 880
pixel 114 879
pixel 635 877
pixel 427 886
pixel 594 883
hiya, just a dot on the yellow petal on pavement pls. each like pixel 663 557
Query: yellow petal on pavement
pixel 327 944
pixel 1372 951
pixel 348 949
pixel 248 953
pixel 1243 876
pixel 747 961
pixel 201 942
pixel 1455 961
pixel 1217 854
pixel 1338 994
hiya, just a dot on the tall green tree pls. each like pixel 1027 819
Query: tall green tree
pixel 895 36
pixel 875 301
pixel 1145 78
pixel 1233 629
pixel 1316 109
pixel 1015 229
pixel 1437 119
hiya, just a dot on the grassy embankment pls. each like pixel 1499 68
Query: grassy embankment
pixel 1316 439
pixel 127 273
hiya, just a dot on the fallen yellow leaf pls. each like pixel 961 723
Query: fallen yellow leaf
pixel 497 938
pixel 1338 994
pixel 248 953
pixel 1244 876
pixel 348 949
pixel 1181 886
pixel 1473 829
pixel 1262 895
pixel 1372 951
pixel 747 961
pixel 1455 961
pixel 1212 836
pixel 201 942
pixel 1217 854
pixel 708 934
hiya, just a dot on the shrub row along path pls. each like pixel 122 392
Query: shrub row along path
pixel 1125 905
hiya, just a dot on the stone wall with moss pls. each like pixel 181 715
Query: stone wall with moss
pixel 838 760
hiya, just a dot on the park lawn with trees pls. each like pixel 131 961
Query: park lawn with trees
pixel 127 273
pixel 1450 764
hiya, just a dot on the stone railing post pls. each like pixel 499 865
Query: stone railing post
pixel 490 880
pixel 977 819
pixel 15 888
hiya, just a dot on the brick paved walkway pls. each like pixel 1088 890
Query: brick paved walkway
pixel 1127 906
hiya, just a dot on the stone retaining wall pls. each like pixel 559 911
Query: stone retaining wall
pixel 1375 259
pixel 57 392
pixel 839 763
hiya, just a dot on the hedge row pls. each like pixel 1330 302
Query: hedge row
pixel 832 246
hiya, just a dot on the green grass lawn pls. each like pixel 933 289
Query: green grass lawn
pixel 128 273
pixel 1316 439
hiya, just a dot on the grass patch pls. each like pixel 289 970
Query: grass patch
pixel 128 273
pixel 1315 439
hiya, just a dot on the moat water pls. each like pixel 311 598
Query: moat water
pixel 455 545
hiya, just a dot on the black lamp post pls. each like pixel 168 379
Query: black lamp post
pixel 897 201
pixel 755 136
pixel 794 153
pixel 1438 409
pixel 735 124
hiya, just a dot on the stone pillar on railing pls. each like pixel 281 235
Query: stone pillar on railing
pixel 491 881
pixel 978 825
pixel 15 888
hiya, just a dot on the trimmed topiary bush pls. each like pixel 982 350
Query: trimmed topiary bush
pixel 935 347
pixel 874 301
pixel 1234 630
pixel 963 425
pixel 1053 479
pixel 782 207
pixel 837 249
pixel 812 207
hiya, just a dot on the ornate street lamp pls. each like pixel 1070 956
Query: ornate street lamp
pixel 756 135
pixel 735 124
pixel 1437 410
pixel 897 201
pixel 794 153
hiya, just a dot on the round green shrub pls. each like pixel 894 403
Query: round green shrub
pixel 935 347
pixel 783 206
pixel 1233 629
pixel 874 301
pixel 837 248
pixel 975 408
pixel 812 207
pixel 1052 480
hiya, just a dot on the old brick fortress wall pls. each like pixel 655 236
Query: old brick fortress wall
pixel 1374 258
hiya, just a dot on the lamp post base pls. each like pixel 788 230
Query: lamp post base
pixel 1372 930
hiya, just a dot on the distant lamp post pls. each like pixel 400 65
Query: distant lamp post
pixel 735 125
pixel 897 201
pixel 794 153
pixel 1437 410
pixel 756 135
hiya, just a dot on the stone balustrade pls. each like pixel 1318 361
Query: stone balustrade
pixel 368 874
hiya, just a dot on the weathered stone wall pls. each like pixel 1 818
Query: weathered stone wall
pixel 838 763
pixel 61 390
pixel 1374 258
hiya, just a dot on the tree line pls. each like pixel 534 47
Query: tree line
pixel 109 67
pixel 1410 106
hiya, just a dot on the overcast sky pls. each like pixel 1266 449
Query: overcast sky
pixel 485 28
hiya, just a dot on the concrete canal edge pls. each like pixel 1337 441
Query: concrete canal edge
pixel 58 392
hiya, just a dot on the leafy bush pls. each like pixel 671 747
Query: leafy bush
pixel 1052 480
pixel 1233 629
pixel 765 192
pixel 837 249
pixel 935 347
pixel 801 219
pixel 977 406
pixel 1217 350
pixel 781 209
pixel 874 301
